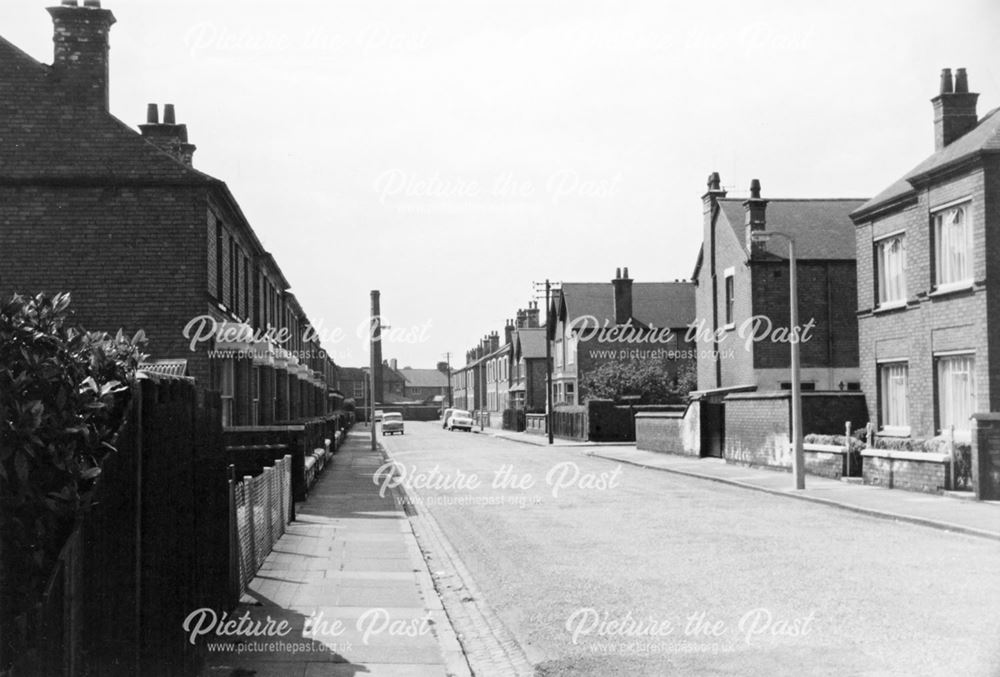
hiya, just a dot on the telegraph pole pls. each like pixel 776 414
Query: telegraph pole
pixel 375 336
pixel 447 357
pixel 548 361
pixel 548 356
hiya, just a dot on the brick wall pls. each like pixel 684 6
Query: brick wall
pixel 737 368
pixel 986 456
pixel 668 432
pixel 822 286
pixel 890 473
pixel 758 425
pixel 758 428
pixel 131 257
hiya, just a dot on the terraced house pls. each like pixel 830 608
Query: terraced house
pixel 142 240
pixel 928 251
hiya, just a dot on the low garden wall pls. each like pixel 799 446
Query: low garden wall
pixel 535 423
pixel 911 470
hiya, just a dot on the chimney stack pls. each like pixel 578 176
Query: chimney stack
pixel 954 108
pixel 623 296
pixel 168 136
pixel 508 332
pixel 756 210
pixel 531 315
pixel 393 363
pixel 80 54
pixel 494 341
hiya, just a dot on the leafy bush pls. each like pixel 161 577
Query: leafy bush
pixel 63 397
pixel 654 381
pixel 837 440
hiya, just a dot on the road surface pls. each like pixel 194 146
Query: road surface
pixel 597 568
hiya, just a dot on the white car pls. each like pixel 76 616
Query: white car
pixel 461 420
pixel 445 416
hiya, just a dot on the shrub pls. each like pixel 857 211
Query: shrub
pixel 63 397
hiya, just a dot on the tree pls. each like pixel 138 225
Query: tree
pixel 653 381
pixel 64 394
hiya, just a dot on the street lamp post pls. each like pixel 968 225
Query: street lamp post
pixel 798 453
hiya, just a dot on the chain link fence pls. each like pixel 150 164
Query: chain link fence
pixel 261 508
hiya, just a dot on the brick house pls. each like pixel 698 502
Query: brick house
pixel 738 280
pixel 353 383
pixel 929 278
pixel 527 370
pixel 424 384
pixel 140 238
pixel 599 322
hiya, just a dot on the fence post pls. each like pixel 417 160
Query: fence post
pixel 847 442
pixel 870 436
pixel 234 541
pixel 251 523
pixel 951 454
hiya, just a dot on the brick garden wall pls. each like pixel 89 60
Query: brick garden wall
pixel 758 425
pixel 912 475
pixel 668 432
pixel 757 429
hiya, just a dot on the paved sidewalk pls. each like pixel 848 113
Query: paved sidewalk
pixel 543 440
pixel 942 512
pixel 350 569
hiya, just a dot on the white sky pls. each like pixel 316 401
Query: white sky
pixel 449 153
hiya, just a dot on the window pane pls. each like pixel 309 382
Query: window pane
pixel 893 384
pixel 953 251
pixel 956 392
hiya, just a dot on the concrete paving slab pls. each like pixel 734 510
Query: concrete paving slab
pixel 350 556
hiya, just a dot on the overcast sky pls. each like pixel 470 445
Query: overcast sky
pixel 451 153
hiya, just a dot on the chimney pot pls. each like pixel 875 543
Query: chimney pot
pixel 961 81
pixel 946 85
pixel 93 4
pixel 954 109
pixel 714 182
pixel 622 288
pixel 152 114
pixel 69 3
pixel 625 273
pixel 169 117
pixel 755 189
pixel 618 273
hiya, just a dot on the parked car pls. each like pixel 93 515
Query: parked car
pixel 378 415
pixel 461 420
pixel 392 424
pixel 445 416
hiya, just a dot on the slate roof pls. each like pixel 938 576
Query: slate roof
pixel 351 373
pixel 657 304
pixel 822 228
pixel 532 342
pixel 45 136
pixel 984 137
pixel 424 378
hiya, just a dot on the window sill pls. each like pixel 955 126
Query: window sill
pixel 890 306
pixel 946 289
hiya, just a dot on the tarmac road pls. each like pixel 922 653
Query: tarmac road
pixel 598 568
